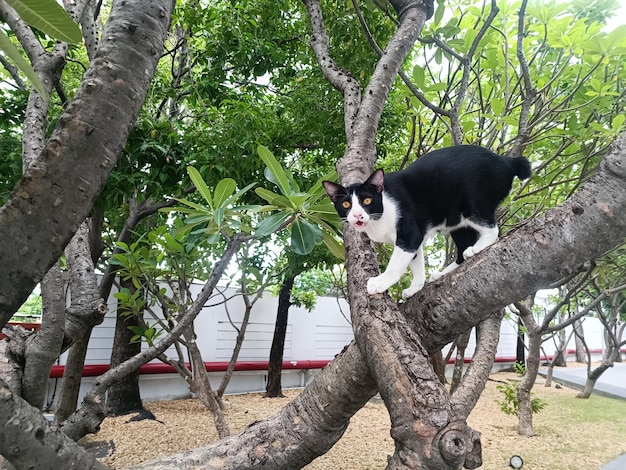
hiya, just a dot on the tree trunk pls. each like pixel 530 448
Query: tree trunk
pixel 241 334
pixel 525 424
pixel 561 349
pixel 72 376
pixel 438 363
pixel 520 348
pixel 76 161
pixel 44 347
pixel 123 396
pixel 201 386
pixel 459 361
pixel 579 334
pixel 275 367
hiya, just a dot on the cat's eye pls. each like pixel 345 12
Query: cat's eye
pixel 346 204
pixel 367 201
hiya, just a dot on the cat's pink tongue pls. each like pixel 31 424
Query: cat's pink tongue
pixel 360 224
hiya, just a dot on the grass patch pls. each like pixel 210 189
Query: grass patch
pixel 570 433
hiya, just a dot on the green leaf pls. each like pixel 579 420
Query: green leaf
pixel 281 179
pixel 266 194
pixel 419 76
pixel 304 236
pixel 218 216
pixel 271 224
pixel 274 199
pixel 238 194
pixel 200 185
pixel 334 246
pixel 497 105
pixel 11 51
pixel 48 16
pixel 327 208
pixel 617 122
pixel 224 189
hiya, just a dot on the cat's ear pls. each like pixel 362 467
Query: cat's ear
pixel 377 179
pixel 333 189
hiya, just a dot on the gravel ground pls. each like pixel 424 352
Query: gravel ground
pixel 184 424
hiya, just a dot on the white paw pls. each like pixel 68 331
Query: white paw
pixel 377 285
pixel 469 252
pixel 412 290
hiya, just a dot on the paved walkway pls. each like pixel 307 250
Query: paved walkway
pixel 611 384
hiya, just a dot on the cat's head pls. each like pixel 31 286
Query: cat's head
pixel 358 203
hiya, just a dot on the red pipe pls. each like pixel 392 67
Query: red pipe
pixel 95 370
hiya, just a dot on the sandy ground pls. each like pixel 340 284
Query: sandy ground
pixel 560 443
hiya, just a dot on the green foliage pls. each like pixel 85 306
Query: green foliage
pixel 145 333
pixel 509 403
pixel 311 217
pixel 12 108
pixel 47 16
pixel 218 214
pixel 30 311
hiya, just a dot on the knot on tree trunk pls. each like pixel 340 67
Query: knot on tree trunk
pixel 459 446
pixel 616 163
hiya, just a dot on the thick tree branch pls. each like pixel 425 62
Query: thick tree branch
pixel 347 85
pixel 472 384
pixel 30 441
pixel 58 192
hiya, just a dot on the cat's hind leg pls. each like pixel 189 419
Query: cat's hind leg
pixel 487 236
pixel 396 267
pixel 463 238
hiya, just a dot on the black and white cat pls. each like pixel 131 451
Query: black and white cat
pixel 452 190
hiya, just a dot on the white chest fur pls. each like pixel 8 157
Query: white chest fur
pixel 384 229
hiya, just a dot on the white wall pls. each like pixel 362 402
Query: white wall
pixel 317 335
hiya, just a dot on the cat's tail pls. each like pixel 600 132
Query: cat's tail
pixel 521 167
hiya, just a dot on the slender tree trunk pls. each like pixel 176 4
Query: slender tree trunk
pixel 438 363
pixel 579 334
pixel 525 424
pixel 561 348
pixel 44 347
pixel 123 396
pixel 520 349
pixel 275 367
pixel 201 386
pixel 241 334
pixel 72 376
pixel 459 361
pixel 592 378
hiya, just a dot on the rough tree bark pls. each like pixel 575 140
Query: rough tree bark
pixel 44 347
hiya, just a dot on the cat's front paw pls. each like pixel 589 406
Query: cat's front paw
pixel 377 285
